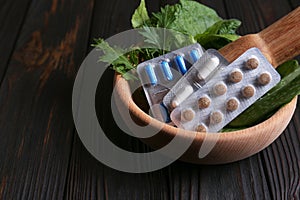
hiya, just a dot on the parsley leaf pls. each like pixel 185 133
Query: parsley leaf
pixel 140 15
pixel 166 17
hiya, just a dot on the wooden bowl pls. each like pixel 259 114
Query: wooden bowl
pixel 229 146
pixel 279 43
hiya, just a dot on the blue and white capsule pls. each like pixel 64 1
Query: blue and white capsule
pixel 180 64
pixel 165 67
pixel 194 55
pixel 151 74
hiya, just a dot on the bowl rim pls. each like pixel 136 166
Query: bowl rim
pixel 124 90
pixel 229 146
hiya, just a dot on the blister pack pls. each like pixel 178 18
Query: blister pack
pixel 160 74
pixel 206 67
pixel 227 94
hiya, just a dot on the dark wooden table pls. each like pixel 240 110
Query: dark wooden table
pixel 41 157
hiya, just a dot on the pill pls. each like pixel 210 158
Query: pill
pixel 194 55
pixel 187 114
pixel 248 91
pixel 166 70
pixel 151 74
pixel 208 67
pixel 204 102
pixel 216 117
pixel 180 64
pixel 232 104
pixel 183 93
pixel 264 78
pixel 236 76
pixel 252 63
pixel 220 89
pixel 201 128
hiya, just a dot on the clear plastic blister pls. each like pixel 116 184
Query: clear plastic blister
pixel 160 74
pixel 227 94
pixel 206 67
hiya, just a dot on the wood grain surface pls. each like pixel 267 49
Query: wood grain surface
pixel 41 157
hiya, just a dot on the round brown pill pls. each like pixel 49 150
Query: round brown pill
pixel 236 76
pixel 264 78
pixel 232 104
pixel 252 63
pixel 187 115
pixel 220 89
pixel 248 91
pixel 204 102
pixel 201 128
pixel 216 117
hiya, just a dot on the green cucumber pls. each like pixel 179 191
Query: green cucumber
pixel 281 94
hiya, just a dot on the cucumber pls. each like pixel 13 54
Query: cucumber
pixel 281 94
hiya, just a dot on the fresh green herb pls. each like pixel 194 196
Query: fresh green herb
pixel 215 41
pixel 166 17
pixel 140 15
pixel 184 23
pixel 219 34
pixel 122 62
pixel 193 18
pixel 188 22
pixel 281 94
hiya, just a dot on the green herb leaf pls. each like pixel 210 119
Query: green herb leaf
pixel 215 41
pixel 114 56
pixel 165 40
pixel 194 18
pixel 166 17
pixel 224 27
pixel 219 34
pixel 281 94
pixel 140 15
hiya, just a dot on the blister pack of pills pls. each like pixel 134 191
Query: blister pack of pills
pixel 227 94
pixel 207 66
pixel 160 74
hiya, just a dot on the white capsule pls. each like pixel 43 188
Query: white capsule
pixel 183 93
pixel 208 67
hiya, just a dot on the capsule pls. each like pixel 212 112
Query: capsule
pixel 194 55
pixel 182 95
pixel 180 64
pixel 208 68
pixel 166 70
pixel 151 74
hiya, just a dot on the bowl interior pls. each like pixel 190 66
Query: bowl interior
pixel 218 148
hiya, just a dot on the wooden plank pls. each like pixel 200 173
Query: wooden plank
pixel 118 13
pixel 88 178
pixel 294 3
pixel 219 6
pixel 12 14
pixel 280 161
pixel 35 100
